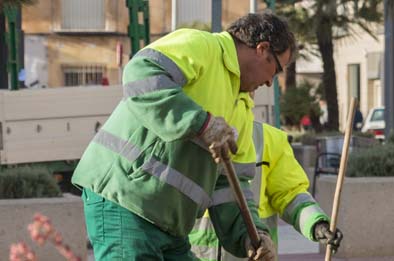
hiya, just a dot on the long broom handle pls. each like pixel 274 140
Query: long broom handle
pixel 241 201
pixel 341 173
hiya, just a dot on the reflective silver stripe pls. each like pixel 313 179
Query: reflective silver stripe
pixel 290 209
pixel 255 185
pixel 202 245
pixel 271 222
pixel 225 195
pixel 168 65
pixel 305 214
pixel 242 169
pixel 205 252
pixel 118 145
pixel 179 181
pixel 155 168
pixel 203 223
pixel 153 83
pixel 258 141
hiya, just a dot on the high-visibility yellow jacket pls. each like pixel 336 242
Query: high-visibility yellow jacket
pixel 280 188
pixel 148 157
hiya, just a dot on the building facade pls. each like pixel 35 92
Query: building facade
pixel 73 42
pixel 359 68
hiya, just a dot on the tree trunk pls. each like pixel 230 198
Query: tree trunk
pixel 325 43
pixel 3 54
pixel 291 76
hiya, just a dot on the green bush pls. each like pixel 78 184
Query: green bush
pixel 297 102
pixel 377 161
pixel 310 137
pixel 27 182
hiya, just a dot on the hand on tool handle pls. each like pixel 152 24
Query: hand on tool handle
pixel 266 250
pixel 323 234
pixel 219 136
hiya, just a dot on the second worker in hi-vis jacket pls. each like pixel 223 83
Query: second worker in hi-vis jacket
pixel 280 188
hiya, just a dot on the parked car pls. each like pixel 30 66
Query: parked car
pixel 374 123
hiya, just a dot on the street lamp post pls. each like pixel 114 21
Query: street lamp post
pixel 389 65
pixel 216 23
pixel 271 5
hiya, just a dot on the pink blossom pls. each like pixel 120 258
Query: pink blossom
pixel 41 231
pixel 21 252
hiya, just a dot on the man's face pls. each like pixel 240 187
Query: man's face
pixel 264 65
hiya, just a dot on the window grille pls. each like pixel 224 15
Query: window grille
pixel 83 74
pixel 83 15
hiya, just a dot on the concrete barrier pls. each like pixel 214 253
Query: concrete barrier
pixel 305 154
pixel 365 215
pixel 66 214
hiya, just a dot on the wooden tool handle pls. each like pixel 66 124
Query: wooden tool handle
pixel 241 201
pixel 342 171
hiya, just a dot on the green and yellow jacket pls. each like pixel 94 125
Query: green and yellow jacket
pixel 148 156
pixel 280 189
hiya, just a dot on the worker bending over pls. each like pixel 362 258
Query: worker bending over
pixel 148 174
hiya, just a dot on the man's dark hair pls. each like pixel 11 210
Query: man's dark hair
pixel 255 28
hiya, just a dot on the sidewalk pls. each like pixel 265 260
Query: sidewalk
pixel 294 247
pixel 320 257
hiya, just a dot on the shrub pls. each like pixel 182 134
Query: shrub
pixel 27 182
pixel 309 138
pixel 297 102
pixel 377 161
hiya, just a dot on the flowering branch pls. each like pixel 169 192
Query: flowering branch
pixel 21 252
pixel 41 231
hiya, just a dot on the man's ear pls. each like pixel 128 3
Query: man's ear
pixel 262 46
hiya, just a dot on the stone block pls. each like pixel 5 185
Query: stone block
pixel 365 214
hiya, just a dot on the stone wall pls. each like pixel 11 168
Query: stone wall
pixel 365 214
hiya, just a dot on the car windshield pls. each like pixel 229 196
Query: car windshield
pixel 378 115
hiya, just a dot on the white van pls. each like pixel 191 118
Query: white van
pixel 374 123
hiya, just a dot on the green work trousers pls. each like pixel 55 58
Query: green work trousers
pixel 118 234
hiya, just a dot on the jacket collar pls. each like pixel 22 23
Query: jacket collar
pixel 230 58
pixel 245 96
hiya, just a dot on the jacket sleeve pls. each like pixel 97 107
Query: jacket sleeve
pixel 159 103
pixel 227 219
pixel 287 184
pixel 225 214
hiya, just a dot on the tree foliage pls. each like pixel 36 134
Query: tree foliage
pixel 320 22
pixel 15 2
pixel 300 101
pixel 27 182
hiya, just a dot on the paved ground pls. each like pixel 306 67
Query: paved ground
pixel 318 257
pixel 291 242
pixel 294 247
